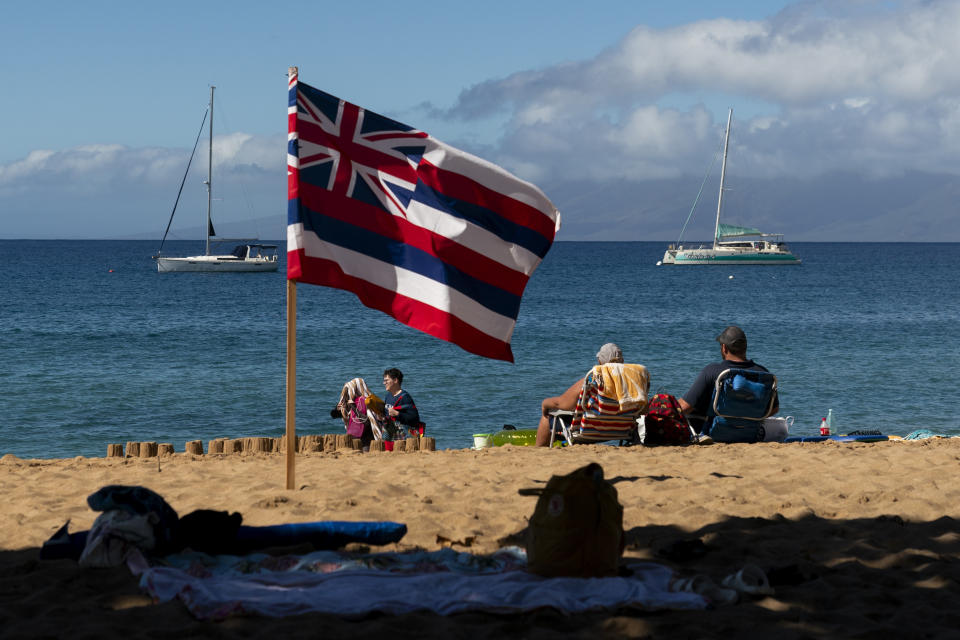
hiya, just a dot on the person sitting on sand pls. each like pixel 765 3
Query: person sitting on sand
pixel 567 401
pixel 401 412
pixel 695 403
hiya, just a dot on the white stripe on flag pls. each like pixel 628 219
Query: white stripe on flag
pixel 473 237
pixel 406 283
pixel 489 175
pixel 294 234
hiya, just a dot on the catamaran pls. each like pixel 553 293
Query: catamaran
pixel 732 244
pixel 244 257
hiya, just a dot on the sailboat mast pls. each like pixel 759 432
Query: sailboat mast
pixel 210 170
pixel 723 175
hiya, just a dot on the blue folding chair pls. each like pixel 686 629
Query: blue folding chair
pixel 742 398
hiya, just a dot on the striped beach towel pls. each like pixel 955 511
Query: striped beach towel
pixel 613 396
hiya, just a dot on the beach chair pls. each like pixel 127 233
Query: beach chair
pixel 613 396
pixel 742 398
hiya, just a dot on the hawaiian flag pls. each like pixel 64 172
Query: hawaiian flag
pixel 439 239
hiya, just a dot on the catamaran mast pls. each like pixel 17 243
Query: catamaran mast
pixel 723 171
pixel 210 170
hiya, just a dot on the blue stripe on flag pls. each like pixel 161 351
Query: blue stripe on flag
pixel 293 212
pixel 397 254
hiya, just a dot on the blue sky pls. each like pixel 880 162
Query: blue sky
pixel 99 101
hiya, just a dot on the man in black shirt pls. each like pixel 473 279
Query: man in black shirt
pixel 401 411
pixel 733 350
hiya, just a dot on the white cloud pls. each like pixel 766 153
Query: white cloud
pixel 108 190
pixel 850 85
pixel 82 168
pixel 110 163
pixel 857 103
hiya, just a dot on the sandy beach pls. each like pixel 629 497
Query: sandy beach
pixel 862 539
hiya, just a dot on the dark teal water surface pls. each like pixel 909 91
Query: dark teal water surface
pixel 99 348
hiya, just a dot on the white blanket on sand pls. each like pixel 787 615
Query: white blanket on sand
pixel 288 589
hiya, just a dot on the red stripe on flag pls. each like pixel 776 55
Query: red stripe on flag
pixel 294 270
pixel 413 313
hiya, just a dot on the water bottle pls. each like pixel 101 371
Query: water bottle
pixel 824 427
pixel 830 419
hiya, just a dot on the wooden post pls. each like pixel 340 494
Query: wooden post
pixel 311 443
pixel 330 442
pixel 260 444
pixel 291 381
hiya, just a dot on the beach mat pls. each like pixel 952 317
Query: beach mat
pixel 856 438
pixel 320 534
pixel 444 582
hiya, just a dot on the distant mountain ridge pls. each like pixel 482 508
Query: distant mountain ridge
pixel 913 207
pixel 266 229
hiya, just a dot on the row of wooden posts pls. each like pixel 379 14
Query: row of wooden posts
pixel 328 442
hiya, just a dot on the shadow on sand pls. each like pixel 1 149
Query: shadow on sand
pixel 881 577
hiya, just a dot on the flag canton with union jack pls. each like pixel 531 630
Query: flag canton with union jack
pixel 439 239
pixel 345 148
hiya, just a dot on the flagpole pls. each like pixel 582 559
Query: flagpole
pixel 291 349
pixel 291 381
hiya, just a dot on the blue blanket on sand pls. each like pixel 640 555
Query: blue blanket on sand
pixel 322 535
pixel 857 438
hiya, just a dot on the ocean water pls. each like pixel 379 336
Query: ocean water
pixel 99 348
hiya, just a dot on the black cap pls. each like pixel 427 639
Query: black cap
pixel 734 337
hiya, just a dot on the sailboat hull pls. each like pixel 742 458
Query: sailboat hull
pixel 719 256
pixel 216 264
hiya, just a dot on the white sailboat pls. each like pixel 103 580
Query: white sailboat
pixel 247 256
pixel 732 244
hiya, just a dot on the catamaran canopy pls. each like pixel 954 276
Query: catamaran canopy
pixel 733 231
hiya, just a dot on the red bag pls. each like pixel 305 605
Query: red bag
pixel 664 423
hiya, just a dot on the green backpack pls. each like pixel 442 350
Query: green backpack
pixel 577 526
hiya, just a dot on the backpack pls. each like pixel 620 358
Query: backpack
pixel 357 418
pixel 577 526
pixel 664 423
